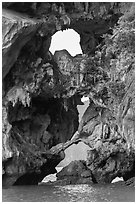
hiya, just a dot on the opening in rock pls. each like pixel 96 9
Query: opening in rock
pixel 77 151
pixel 74 152
pixel 117 179
pixel 82 108
pixel 68 39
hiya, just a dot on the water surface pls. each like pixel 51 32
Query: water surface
pixel 69 193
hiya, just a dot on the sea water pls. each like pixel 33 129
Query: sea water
pixel 115 192
pixel 69 193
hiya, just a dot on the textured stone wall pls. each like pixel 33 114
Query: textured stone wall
pixel 41 92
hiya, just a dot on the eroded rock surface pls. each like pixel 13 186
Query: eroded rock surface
pixel 17 30
pixel 41 91
pixel 111 138
pixel 75 173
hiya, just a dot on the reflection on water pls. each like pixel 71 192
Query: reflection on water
pixel 115 192
pixel 69 193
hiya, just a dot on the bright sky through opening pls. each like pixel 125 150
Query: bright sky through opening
pixel 68 39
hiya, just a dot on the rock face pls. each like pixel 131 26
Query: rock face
pixel 35 116
pixel 75 173
pixel 112 151
pixel 41 91
pixel 17 30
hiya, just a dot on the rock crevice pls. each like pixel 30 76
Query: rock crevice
pixel 41 91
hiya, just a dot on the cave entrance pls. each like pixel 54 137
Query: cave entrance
pixel 67 39
pixel 76 151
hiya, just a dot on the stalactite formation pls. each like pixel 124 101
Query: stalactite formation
pixel 41 91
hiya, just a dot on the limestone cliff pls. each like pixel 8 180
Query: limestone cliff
pixel 41 91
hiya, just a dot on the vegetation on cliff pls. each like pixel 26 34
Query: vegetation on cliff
pixel 41 91
pixel 109 74
pixel 109 122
